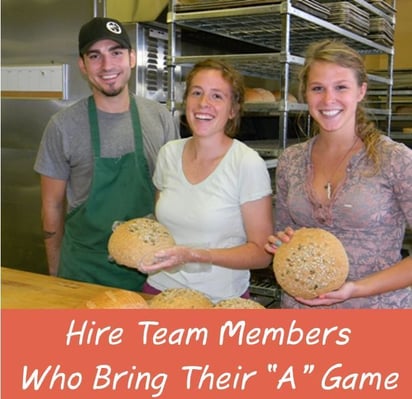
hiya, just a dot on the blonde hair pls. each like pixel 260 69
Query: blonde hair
pixel 339 53
pixel 236 82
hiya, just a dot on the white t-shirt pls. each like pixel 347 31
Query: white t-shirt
pixel 208 215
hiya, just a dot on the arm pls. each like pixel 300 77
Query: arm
pixel 393 278
pixel 53 210
pixel 257 219
pixel 258 222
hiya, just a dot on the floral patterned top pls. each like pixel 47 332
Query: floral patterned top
pixel 369 214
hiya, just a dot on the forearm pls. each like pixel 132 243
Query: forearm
pixel 52 214
pixel 246 256
pixel 396 277
pixel 53 227
pixel 52 245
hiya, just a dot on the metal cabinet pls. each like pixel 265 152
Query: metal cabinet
pixel 278 31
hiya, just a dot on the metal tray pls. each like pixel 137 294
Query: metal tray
pixel 200 5
pixel 384 6
pixel 349 16
pixel 313 7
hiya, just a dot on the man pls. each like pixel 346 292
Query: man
pixel 96 159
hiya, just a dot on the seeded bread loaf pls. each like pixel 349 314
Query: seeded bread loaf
pixel 238 303
pixel 180 298
pixel 117 299
pixel 137 238
pixel 313 262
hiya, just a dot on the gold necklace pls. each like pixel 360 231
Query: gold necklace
pixel 328 186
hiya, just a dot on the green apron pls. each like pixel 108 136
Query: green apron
pixel 121 189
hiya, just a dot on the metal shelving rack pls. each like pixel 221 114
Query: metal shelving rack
pixel 402 97
pixel 283 31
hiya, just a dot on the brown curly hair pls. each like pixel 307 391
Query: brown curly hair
pixel 234 78
pixel 339 53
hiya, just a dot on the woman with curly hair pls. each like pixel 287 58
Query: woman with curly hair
pixel 213 193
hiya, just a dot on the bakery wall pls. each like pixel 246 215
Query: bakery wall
pixel 403 34
pixel 34 32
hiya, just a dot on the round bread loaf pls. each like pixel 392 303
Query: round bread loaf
pixel 180 298
pixel 258 95
pixel 291 98
pixel 313 262
pixel 137 238
pixel 238 303
pixel 117 299
pixel 404 109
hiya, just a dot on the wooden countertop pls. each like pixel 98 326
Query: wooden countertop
pixel 26 290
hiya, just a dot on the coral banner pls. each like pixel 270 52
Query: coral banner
pixel 206 354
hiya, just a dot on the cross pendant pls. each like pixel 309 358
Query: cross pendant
pixel 328 188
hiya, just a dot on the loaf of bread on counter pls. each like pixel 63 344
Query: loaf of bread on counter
pixel 180 298
pixel 117 299
pixel 238 303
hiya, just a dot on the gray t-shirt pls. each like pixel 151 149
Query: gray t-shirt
pixel 65 150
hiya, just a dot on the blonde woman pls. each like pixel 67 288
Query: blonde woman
pixel 348 179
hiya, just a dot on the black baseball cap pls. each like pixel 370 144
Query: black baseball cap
pixel 100 28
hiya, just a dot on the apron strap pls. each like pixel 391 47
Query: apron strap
pixel 94 127
pixel 138 141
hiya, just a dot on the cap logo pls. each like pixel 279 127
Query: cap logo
pixel 114 27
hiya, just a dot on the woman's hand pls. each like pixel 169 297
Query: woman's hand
pixel 330 298
pixel 275 241
pixel 172 257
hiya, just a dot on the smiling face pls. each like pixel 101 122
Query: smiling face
pixel 332 94
pixel 107 67
pixel 209 103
